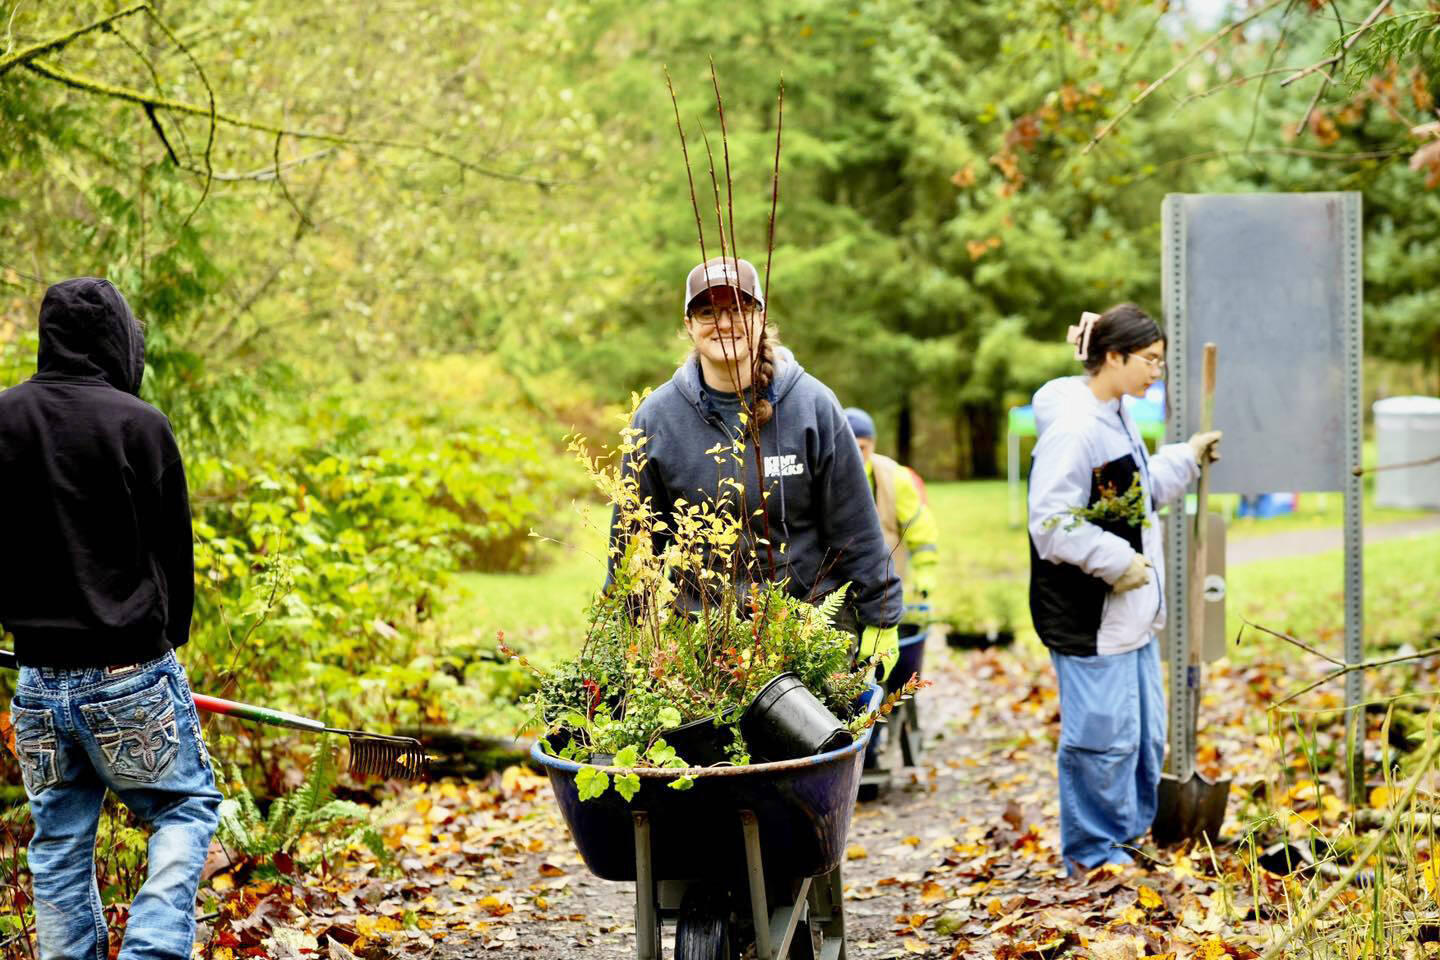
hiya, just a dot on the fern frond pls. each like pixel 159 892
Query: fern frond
pixel 830 606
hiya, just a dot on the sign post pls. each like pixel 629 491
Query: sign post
pixel 1275 280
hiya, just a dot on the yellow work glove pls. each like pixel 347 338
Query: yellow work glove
pixel 924 582
pixel 882 640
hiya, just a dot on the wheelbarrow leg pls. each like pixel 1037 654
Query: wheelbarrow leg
pixel 910 732
pixel 647 926
pixel 773 935
pixel 827 907
pixel 755 868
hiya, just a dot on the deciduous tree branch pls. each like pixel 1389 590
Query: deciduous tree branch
pixel 80 82
pixel 1185 62
pixel 28 54
pixel 1351 668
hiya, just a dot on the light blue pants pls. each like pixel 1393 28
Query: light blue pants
pixel 1112 745
pixel 80 732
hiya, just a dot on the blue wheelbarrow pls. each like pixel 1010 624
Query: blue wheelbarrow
pixel 747 856
pixel 898 744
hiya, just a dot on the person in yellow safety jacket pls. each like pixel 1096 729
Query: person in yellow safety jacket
pixel 910 530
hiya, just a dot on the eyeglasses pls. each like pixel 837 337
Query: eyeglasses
pixel 708 313
pixel 1156 363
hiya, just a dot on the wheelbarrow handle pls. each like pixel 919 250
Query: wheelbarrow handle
pixel 228 708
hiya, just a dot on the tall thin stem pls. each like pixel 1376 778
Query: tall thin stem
pixel 689 174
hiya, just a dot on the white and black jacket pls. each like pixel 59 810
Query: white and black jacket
pixel 1081 445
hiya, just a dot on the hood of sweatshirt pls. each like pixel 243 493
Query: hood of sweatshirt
pixel 1063 397
pixel 687 381
pixel 815 492
pixel 88 332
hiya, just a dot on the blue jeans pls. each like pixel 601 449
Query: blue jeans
pixel 132 730
pixel 1112 745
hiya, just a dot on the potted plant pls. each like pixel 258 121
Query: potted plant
pixel 656 684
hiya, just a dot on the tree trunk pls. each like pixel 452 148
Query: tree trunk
pixel 904 433
pixel 982 436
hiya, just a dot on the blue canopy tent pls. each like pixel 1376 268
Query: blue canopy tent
pixel 1147 412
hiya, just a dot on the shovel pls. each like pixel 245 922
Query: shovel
pixel 1189 805
pixel 371 754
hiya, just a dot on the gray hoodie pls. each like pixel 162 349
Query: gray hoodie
pixel 819 504
pixel 1076 434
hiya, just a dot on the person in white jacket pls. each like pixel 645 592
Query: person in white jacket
pixel 1097 592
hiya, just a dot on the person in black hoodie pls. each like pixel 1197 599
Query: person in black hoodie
pixel 96 587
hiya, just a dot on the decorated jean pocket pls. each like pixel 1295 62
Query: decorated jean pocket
pixel 36 746
pixel 137 733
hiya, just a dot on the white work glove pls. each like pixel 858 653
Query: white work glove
pixel 1136 575
pixel 1204 445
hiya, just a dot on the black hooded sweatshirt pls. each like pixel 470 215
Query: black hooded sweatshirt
pixel 97 568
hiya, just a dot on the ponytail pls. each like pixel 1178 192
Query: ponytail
pixel 765 376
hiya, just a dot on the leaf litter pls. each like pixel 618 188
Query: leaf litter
pixel 958 859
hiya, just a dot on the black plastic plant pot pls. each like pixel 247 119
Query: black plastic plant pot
pixel 786 721
pixel 969 640
pixel 702 743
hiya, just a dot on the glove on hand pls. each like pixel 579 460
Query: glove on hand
pixel 1136 575
pixel 1205 445
pixel 924 581
pixel 882 640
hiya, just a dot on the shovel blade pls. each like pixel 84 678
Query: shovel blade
pixel 1189 809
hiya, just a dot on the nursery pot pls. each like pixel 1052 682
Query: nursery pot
pixel 786 721
pixel 701 743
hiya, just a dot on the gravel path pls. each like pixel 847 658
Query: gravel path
pixel 1296 543
pixel 972 747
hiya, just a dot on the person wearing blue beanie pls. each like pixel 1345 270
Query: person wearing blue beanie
pixel 861 423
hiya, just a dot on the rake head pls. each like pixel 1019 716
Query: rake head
pixel 398 758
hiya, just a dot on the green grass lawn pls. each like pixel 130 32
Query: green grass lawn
pixel 542 614
pixel 984 580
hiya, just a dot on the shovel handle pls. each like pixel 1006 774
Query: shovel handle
pixel 1198 559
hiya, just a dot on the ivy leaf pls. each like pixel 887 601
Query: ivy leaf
pixel 683 783
pixel 661 753
pixel 627 785
pixel 591 782
pixel 670 717
pixel 626 758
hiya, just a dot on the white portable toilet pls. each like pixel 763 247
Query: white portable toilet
pixel 1407 429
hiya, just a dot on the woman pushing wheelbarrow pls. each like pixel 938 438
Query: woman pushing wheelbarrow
pixel 1097 594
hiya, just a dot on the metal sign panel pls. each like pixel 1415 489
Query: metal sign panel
pixel 1274 280
pixel 1270 286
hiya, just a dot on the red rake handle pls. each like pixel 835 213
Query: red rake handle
pixel 247 711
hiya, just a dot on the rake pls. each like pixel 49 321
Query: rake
pixel 371 754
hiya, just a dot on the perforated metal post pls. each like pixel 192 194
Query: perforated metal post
pixel 1354 505
pixel 1177 627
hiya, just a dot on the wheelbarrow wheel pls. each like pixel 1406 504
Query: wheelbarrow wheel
pixel 704 931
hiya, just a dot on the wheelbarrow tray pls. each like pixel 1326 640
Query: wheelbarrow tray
pixel 802 808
